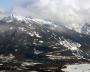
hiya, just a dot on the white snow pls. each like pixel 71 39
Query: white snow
pixel 70 45
pixel 20 18
pixel 41 21
pixel 40 41
pixel 77 68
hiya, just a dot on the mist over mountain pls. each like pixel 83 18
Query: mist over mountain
pixel 73 14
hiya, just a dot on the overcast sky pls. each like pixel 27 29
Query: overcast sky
pixel 72 13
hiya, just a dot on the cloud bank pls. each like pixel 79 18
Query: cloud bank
pixel 3 13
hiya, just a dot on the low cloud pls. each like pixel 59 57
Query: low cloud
pixel 2 13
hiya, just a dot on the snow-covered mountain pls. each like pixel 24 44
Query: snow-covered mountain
pixel 26 36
